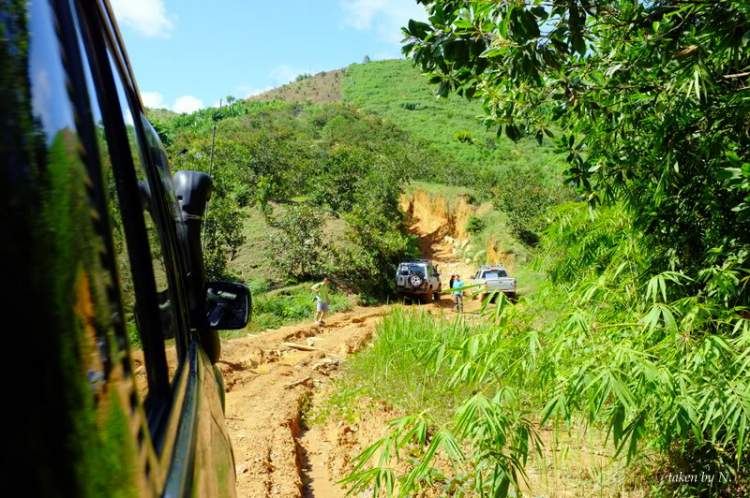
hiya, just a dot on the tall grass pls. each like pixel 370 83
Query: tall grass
pixel 659 361
pixel 387 370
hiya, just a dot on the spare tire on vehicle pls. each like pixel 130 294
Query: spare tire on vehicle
pixel 415 280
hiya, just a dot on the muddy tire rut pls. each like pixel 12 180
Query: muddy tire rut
pixel 267 385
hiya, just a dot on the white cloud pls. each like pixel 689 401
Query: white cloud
pixel 188 104
pixel 247 91
pixel 281 75
pixel 385 16
pixel 41 97
pixel 154 100
pixel 149 17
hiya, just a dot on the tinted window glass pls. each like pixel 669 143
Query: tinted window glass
pixel 156 232
pixel 417 269
pixel 495 274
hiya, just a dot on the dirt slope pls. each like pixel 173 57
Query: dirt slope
pixel 440 225
pixel 324 87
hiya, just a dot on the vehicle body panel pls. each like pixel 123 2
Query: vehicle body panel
pixel 78 424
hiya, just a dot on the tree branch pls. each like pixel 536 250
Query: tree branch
pixel 734 76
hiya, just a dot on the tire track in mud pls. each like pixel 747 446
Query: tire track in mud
pixel 263 404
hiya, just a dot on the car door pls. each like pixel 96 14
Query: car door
pixel 194 450
pixel 102 273
pixel 75 423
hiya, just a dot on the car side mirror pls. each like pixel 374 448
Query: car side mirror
pixel 227 305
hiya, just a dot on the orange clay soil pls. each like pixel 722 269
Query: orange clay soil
pixel 267 384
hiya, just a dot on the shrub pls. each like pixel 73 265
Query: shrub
pixel 298 246
pixel 464 136
pixel 525 194
pixel 474 224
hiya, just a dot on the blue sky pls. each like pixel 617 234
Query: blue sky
pixel 188 54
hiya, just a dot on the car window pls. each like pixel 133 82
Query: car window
pixel 137 238
pixel 495 274
pixel 155 226
pixel 417 269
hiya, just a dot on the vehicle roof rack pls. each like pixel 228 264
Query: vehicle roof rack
pixel 415 260
pixel 490 267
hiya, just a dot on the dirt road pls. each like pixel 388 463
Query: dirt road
pixel 268 383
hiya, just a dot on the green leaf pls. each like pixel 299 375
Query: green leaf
pixel 513 132
pixel 579 44
pixel 729 174
pixel 732 156
pixel 540 12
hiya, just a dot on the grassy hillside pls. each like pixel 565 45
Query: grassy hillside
pixel 324 87
pixel 396 90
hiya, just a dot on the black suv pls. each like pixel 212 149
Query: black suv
pixel 101 248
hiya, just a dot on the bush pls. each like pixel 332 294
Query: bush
pixel 474 225
pixel 464 137
pixel 525 194
pixel 298 246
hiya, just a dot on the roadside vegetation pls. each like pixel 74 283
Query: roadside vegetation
pixel 641 329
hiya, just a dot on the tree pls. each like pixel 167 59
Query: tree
pixel 651 98
pixel 298 246
pixel 366 59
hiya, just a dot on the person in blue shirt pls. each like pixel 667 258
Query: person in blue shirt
pixel 458 296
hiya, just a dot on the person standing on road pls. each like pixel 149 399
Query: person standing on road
pixel 321 297
pixel 453 279
pixel 458 296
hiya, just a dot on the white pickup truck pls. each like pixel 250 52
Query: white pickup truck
pixel 495 279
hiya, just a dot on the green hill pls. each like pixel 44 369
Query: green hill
pixel 398 92
pixel 395 90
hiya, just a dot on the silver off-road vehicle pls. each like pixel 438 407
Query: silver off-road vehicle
pixel 418 277
pixel 495 280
